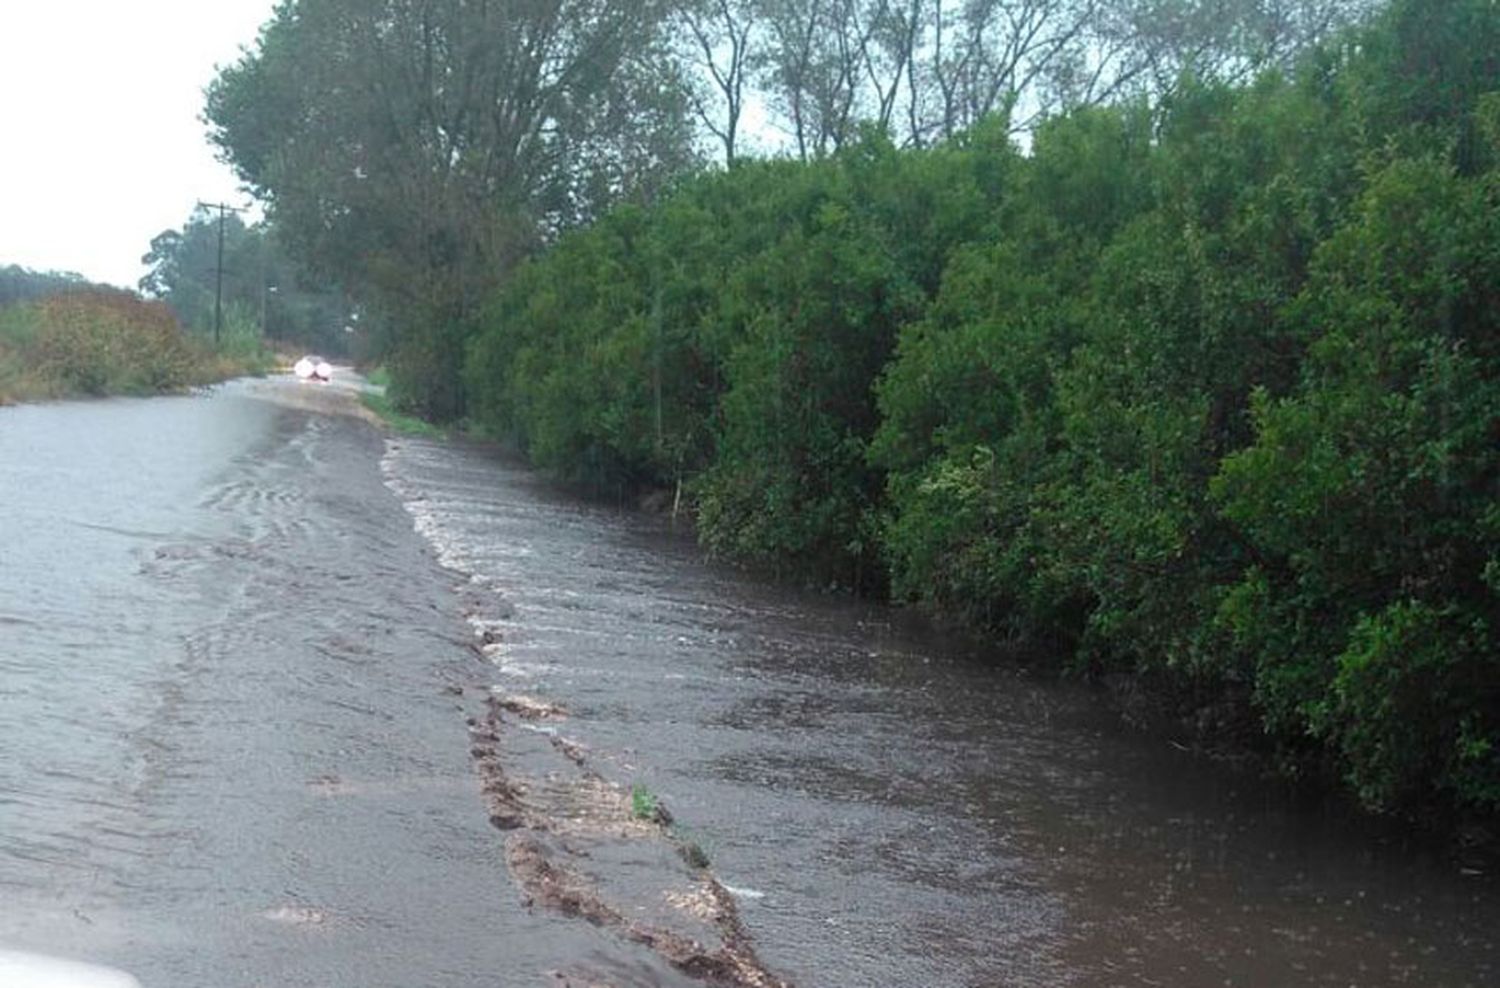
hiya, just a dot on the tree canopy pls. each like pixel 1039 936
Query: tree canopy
pixel 413 151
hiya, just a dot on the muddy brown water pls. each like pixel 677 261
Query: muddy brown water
pixel 266 678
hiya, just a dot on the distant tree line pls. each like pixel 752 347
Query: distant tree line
pixel 266 295
pixel 926 70
pixel 18 284
pixel 1186 363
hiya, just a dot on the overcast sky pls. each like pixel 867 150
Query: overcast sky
pixel 102 147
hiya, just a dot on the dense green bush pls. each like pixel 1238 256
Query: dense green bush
pixel 731 337
pixel 1369 496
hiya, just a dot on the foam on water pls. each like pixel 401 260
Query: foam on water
pixel 425 519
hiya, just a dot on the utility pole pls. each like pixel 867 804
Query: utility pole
pixel 265 289
pixel 656 371
pixel 224 209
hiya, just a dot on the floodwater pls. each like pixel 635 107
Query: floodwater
pixel 283 703
pixel 230 754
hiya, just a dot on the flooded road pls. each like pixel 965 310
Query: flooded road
pixel 230 750
pixel 283 703
pixel 892 811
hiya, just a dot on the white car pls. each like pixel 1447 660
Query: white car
pixel 311 368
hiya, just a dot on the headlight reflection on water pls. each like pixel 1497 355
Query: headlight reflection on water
pixel 18 970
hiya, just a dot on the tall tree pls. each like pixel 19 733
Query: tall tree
pixel 943 65
pixel 811 70
pixel 718 39
pixel 983 56
pixel 414 149
pixel 888 47
pixel 1225 40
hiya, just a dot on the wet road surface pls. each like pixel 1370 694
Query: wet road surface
pixel 894 811
pixel 283 703
pixel 231 753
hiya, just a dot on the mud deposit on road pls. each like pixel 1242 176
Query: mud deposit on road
pixel 578 847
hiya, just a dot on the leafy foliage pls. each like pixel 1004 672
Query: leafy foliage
pixel 1369 494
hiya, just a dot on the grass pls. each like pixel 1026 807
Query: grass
pixel 643 803
pixel 398 421
pixel 380 402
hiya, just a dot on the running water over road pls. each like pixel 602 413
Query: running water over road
pixel 234 686
pixel 230 751
pixel 895 812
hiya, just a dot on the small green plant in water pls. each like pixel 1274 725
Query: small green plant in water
pixel 643 805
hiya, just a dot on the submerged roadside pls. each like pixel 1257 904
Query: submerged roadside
pixel 252 741
pixel 878 804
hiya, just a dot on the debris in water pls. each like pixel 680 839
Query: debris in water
pixel 296 915
pixel 525 706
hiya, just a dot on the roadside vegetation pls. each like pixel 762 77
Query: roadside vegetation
pixel 61 336
pixel 1195 382
pixel 100 341
pixel 378 400
pixel 401 422
pixel 643 803
pixel 1204 392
